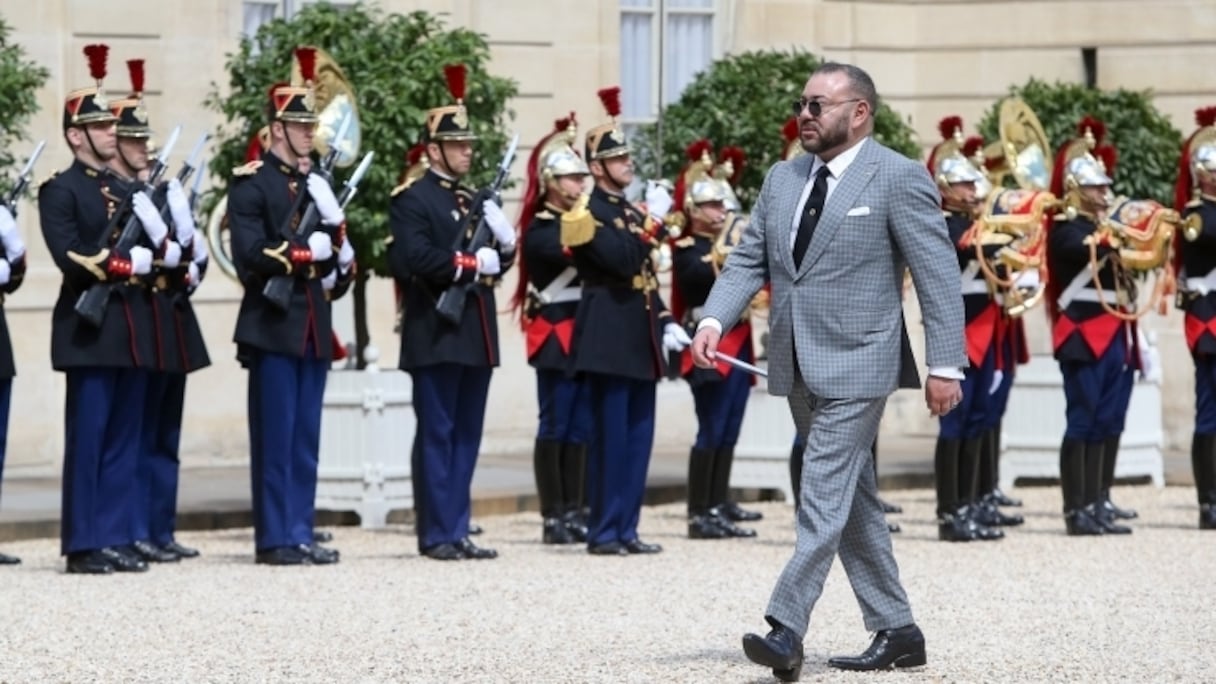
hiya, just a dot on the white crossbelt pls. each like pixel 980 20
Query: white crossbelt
pixel 557 291
pixel 971 281
pixel 1079 289
pixel 1202 285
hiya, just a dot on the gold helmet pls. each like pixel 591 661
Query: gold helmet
pixel 728 172
pixel 131 113
pixel 89 105
pixel 607 139
pixel 450 122
pixel 296 103
pixel 793 146
pixel 1198 158
pixel 557 156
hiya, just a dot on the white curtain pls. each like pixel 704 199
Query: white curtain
pixel 688 47
pixel 256 14
pixel 637 61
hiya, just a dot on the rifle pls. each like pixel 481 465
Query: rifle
pixel 23 180
pixel 92 302
pixel 188 167
pixel 196 190
pixel 278 289
pixel 450 305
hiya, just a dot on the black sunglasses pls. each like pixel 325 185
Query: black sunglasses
pixel 816 107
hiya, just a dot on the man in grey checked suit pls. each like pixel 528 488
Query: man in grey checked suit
pixel 834 243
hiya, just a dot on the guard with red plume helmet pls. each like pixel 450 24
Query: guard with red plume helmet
pixel 548 296
pixel 793 146
pixel 287 348
pixel 622 331
pixel 449 357
pixel 1195 253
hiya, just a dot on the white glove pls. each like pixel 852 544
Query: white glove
pixel 6 271
pixel 674 337
pixel 997 377
pixel 194 274
pixel 346 255
pixel 154 225
pixel 323 197
pixel 1150 358
pixel 487 261
pixel 321 246
pixel 173 255
pixel 200 252
pixel 1029 279
pixel 141 260
pixel 330 280
pixel 179 209
pixel 658 200
pixel 503 231
pixel 14 247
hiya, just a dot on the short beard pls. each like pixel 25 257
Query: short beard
pixel 829 138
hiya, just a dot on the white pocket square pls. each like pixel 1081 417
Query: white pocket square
pixel 859 211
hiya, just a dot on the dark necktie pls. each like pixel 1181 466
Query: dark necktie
pixel 810 214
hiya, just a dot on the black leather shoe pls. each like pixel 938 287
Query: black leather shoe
pixel 471 550
pixel 1120 513
pixel 154 554
pixel 555 531
pixel 445 552
pixel 705 527
pixel 781 650
pixel 889 507
pixel 183 551
pixel 89 563
pixel 1078 523
pixel 6 559
pixel 576 525
pixel 720 518
pixel 124 559
pixel 319 555
pixel 607 549
pixel 960 527
pixel 891 648
pixel 474 529
pixel 1106 519
pixel 1001 499
pixel 1207 517
pixel 283 555
pixel 733 512
pixel 637 546
pixel 988 515
pixel 321 537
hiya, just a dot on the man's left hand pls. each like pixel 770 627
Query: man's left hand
pixel 942 395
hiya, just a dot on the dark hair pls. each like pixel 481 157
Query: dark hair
pixel 859 81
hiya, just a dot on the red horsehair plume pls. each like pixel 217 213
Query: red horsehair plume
pixel 698 149
pixel 1205 116
pixel 97 60
pixel 564 123
pixel 790 130
pixel 307 57
pixel 1108 156
pixel 611 97
pixel 1095 126
pixel 949 125
pixel 736 158
pixel 455 75
pixel 415 154
pixel 136 68
pixel 972 145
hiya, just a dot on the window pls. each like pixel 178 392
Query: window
pixel 256 13
pixel 664 44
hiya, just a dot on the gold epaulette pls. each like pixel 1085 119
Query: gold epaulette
pixel 247 169
pixel 578 225
pixel 388 240
pixel 1197 202
pixel 545 215
pixel 48 179
pixel 685 242
pixel 401 188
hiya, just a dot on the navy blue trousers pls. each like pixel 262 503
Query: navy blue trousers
pixel 450 406
pixel 565 407
pixel 103 421
pixel 1205 394
pixel 1097 393
pixel 720 406
pixel 6 396
pixel 285 397
pixel 999 400
pixel 618 456
pixel 155 517
pixel 973 415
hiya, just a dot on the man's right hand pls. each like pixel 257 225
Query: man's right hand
pixel 705 347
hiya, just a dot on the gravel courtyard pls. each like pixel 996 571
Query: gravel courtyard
pixel 1037 606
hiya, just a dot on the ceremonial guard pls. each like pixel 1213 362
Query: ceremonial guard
pixel 287 346
pixel 450 361
pixel 1195 199
pixel 104 358
pixel 1095 349
pixel 179 341
pixel 548 293
pixel 962 432
pixel 622 332
pixel 719 394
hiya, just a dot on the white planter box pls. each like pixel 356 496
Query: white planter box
pixel 1034 426
pixel 762 455
pixel 367 429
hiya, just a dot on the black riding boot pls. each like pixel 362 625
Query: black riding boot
pixel 546 465
pixel 1203 461
pixel 970 455
pixel 993 452
pixel 574 476
pixel 953 520
pixel 1077 521
pixel 1111 453
pixel 724 511
pixel 701 525
pixel 1095 502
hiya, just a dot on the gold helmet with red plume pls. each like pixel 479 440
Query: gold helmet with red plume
pixel 607 139
pixel 296 103
pixel 451 122
pixel 1069 174
pixel 131 113
pixel 793 146
pixel 89 105
pixel 728 172
pixel 1198 158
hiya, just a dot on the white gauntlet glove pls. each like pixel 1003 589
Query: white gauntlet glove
pixel 321 245
pixel 14 247
pixel 487 261
pixel 658 200
pixel 154 225
pixel 323 196
pixel 330 280
pixel 6 271
pixel 179 210
pixel 503 231
pixel 346 255
pixel 674 337
pixel 141 260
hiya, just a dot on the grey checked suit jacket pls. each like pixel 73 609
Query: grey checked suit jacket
pixel 842 310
